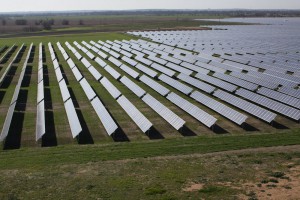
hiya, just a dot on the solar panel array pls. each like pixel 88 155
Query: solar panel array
pixel 104 116
pixel 10 65
pixel 11 109
pixel 219 71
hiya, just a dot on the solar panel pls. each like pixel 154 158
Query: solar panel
pixel 146 70
pixel 40 120
pixel 193 110
pixel 71 63
pixel 196 83
pixel 66 56
pixel 77 74
pixel 179 68
pixel 95 49
pixel 171 59
pixel 138 54
pixel 210 67
pixel 40 94
pixel 55 64
pixel 251 108
pixel 115 48
pixel 158 60
pixel 290 91
pixel 100 62
pixel 164 112
pixel 176 84
pixel 269 103
pixel 7 121
pixel 98 46
pixel 87 89
pixel 83 49
pixel 78 55
pixel 40 75
pixel 144 60
pixel 220 108
pixel 102 54
pixel 105 118
pixel 163 69
pixel 86 63
pixel 273 79
pixel 52 55
pixel 73 118
pixel 226 67
pixel 125 53
pixel 129 61
pixel 114 54
pixel 112 72
pixel 104 48
pixel 90 55
pixel 10 64
pixel 64 90
pixel 255 80
pixel 217 82
pixel 95 73
pixel 148 51
pixel 7 52
pixel 115 61
pixel 137 90
pixel 140 120
pixel 130 71
pixel 292 101
pixel 59 75
pixel 236 81
pixel 154 85
pixel 113 91
pixel 194 68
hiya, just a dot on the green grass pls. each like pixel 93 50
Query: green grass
pixel 62 38
pixel 50 173
pixel 70 154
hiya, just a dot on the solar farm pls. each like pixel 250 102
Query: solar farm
pixel 161 84
pixel 157 109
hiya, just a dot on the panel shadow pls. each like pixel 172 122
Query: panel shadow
pixel 49 139
pixel 13 140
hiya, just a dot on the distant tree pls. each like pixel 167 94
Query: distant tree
pixel 65 22
pixel 47 25
pixel 21 22
pixel 81 22
pixel 51 21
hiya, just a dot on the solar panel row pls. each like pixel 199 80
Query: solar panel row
pixel 73 119
pixel 270 104
pixel 11 109
pixel 193 110
pixel 140 120
pixel 40 117
pixel 220 108
pixel 251 108
pixel 176 84
pixel 164 112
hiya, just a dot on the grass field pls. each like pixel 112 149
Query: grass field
pixel 143 168
pixel 169 169
pixel 104 23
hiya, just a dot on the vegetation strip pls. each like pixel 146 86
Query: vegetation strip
pixel 24 158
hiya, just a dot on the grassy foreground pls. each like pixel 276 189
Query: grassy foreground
pixel 74 154
pixel 163 169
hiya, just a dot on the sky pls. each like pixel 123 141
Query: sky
pixel 62 5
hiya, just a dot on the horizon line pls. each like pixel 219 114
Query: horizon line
pixel 120 10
